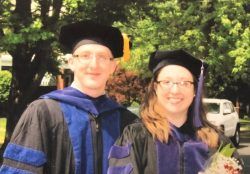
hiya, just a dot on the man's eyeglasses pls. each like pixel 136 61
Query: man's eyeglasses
pixel 166 84
pixel 87 57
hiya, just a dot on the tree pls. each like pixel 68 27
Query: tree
pixel 5 79
pixel 27 35
pixel 28 32
pixel 217 31
pixel 126 87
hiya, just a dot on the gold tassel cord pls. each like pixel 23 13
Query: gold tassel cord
pixel 126 47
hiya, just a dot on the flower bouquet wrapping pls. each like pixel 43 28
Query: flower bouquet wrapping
pixel 222 162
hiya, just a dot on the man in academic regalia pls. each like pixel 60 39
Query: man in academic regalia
pixel 71 130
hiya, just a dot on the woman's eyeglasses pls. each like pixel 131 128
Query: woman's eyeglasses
pixel 167 84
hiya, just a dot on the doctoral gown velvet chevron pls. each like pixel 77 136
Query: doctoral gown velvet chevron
pixel 65 132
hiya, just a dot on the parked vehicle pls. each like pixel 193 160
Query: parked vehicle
pixel 222 113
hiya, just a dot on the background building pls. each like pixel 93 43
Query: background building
pixel 5 61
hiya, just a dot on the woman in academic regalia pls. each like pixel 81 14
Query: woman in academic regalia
pixel 173 136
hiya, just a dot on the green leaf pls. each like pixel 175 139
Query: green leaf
pixel 227 150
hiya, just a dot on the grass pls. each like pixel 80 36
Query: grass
pixel 2 130
pixel 244 121
pixel 245 124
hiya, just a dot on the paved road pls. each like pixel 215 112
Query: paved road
pixel 244 150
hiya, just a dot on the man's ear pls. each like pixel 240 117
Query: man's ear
pixel 114 66
pixel 71 64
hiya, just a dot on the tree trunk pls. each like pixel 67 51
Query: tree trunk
pixel 26 78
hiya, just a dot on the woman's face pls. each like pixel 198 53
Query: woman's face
pixel 175 89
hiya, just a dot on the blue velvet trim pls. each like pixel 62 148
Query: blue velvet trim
pixel 24 155
pixel 167 157
pixel 127 169
pixel 76 98
pixel 193 154
pixel 196 154
pixel 119 152
pixel 110 132
pixel 10 170
pixel 81 138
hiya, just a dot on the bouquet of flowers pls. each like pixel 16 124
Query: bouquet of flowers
pixel 222 162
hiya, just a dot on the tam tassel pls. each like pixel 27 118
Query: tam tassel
pixel 197 103
pixel 126 47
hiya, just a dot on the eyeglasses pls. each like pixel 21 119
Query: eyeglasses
pixel 87 57
pixel 166 84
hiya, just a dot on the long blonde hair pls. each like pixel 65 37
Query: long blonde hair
pixel 158 125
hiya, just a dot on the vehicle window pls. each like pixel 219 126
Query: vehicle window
pixel 213 108
pixel 227 109
pixel 231 107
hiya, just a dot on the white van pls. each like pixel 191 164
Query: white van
pixel 222 113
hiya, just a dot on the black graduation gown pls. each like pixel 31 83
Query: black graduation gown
pixel 66 132
pixel 136 152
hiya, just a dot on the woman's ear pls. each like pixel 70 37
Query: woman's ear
pixel 155 85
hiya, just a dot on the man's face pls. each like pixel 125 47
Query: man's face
pixel 92 65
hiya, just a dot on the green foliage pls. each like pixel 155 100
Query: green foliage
pixel 227 150
pixel 3 122
pixel 242 55
pixel 30 34
pixel 217 31
pixel 5 79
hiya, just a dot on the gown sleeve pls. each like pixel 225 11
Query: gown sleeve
pixel 131 151
pixel 30 145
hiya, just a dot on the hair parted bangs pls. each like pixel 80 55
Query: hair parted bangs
pixel 150 111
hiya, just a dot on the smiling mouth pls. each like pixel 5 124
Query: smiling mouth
pixel 174 100
pixel 93 74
